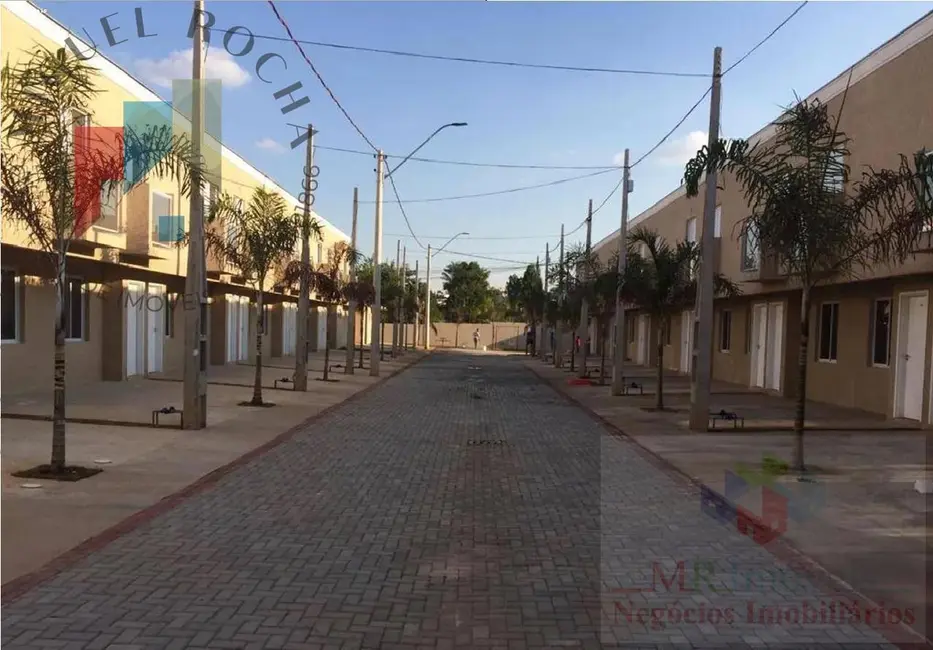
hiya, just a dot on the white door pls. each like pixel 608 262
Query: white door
pixel 686 341
pixel 155 314
pixel 289 316
pixel 775 349
pixel 759 336
pixel 641 354
pixel 911 348
pixel 243 338
pixel 135 306
pixel 321 328
pixel 233 327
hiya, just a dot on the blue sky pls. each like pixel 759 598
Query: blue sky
pixel 515 115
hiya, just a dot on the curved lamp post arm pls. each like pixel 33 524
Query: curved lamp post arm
pixel 427 140
pixel 449 241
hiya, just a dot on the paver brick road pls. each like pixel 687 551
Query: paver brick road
pixel 382 526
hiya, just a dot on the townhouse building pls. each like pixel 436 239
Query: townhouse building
pixel 126 278
pixel 870 338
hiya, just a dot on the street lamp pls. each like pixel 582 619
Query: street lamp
pixel 375 342
pixel 427 290
pixel 427 140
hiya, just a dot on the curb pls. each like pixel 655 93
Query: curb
pixel 781 548
pixel 18 587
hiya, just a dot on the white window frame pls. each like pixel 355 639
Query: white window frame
pixel 722 321
pixel 831 184
pixel 117 196
pixel 873 332
pixel 833 331
pixel 153 236
pixel 320 252
pixel 744 254
pixel 717 223
pixel 17 308
pixel 84 316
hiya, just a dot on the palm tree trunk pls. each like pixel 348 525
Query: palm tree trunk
pixel 800 412
pixel 257 380
pixel 58 399
pixel 362 334
pixel 326 345
pixel 660 401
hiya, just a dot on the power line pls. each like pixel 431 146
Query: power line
pixel 768 37
pixel 401 207
pixel 463 59
pixel 319 77
pixel 508 191
pixel 478 238
pixel 486 257
pixel 470 164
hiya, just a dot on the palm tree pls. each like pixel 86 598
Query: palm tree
pixel 256 240
pixel 55 170
pixel 363 293
pixel 803 217
pixel 663 284
pixel 600 288
pixel 331 281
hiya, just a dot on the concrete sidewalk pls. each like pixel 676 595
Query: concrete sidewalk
pixel 142 464
pixel 871 530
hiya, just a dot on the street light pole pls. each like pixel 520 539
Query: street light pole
pixel 375 341
pixel 703 343
pixel 618 351
pixel 427 303
pixel 194 410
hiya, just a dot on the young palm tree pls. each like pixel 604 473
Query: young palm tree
pixel 331 281
pixel 809 216
pixel 255 240
pixel 363 293
pixel 664 284
pixel 55 171
pixel 600 289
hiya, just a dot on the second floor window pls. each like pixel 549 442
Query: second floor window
pixel 110 205
pixel 751 253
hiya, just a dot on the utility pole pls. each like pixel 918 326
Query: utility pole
pixel 544 332
pixel 351 317
pixel 618 350
pixel 395 309
pixel 300 380
pixel 403 317
pixel 414 338
pixel 194 410
pixel 585 307
pixel 375 341
pixel 703 343
pixel 427 303
pixel 535 325
pixel 558 344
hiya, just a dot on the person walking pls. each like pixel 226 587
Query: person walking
pixel 476 338
pixel 530 340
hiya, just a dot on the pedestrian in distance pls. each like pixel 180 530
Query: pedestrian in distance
pixel 476 338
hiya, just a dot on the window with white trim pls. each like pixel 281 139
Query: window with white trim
pixel 834 180
pixel 881 332
pixel 751 251
pixel 75 309
pixel 320 253
pixel 11 296
pixel 163 206
pixel 725 330
pixel 827 347
pixel 927 175
pixel 232 225
pixel 717 223
pixel 110 205
pixel 171 300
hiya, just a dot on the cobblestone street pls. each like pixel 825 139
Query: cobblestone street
pixel 462 503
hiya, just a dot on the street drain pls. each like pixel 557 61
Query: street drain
pixel 485 443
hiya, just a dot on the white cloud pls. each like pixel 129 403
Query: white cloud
pixel 177 65
pixel 270 145
pixel 678 152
